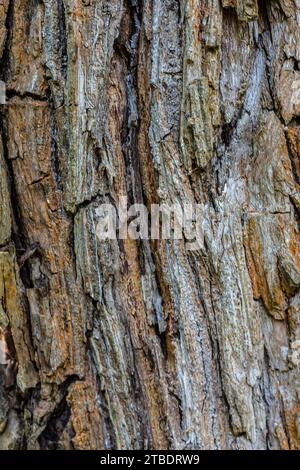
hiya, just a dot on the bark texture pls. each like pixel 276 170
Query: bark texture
pixel 126 344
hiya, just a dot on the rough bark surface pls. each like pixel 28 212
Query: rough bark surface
pixel 126 344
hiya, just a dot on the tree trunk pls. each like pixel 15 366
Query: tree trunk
pixel 145 344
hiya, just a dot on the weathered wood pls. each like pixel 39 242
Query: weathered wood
pixel 126 344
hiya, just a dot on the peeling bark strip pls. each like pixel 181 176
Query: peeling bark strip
pixel 125 344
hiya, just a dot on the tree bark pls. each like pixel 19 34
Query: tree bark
pixel 126 344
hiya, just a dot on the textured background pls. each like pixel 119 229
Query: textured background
pixel 127 344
